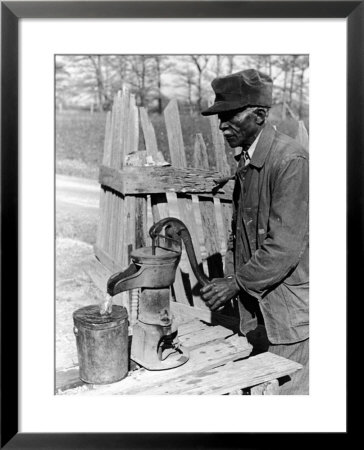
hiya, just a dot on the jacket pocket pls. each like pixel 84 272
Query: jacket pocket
pixel 297 302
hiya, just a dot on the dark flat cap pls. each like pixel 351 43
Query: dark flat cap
pixel 246 88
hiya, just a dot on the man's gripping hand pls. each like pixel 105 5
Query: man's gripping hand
pixel 219 291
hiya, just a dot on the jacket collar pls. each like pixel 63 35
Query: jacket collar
pixel 263 146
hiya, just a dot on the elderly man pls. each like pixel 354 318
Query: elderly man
pixel 267 258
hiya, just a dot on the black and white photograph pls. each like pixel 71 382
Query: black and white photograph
pixel 182 209
pixel 181 224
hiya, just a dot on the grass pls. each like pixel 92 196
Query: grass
pixel 78 224
pixel 77 168
pixel 80 136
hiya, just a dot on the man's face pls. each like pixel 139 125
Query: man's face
pixel 238 127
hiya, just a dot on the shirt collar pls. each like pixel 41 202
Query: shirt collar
pixel 250 149
pixel 254 144
pixel 264 145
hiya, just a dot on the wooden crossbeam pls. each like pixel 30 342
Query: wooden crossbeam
pixel 157 180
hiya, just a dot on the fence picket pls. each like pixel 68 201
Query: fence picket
pixel 116 131
pixel 174 133
pixel 200 158
pixel 149 134
pixel 141 221
pixel 103 193
pixel 132 130
pixel 219 146
pixel 211 237
pixel 226 212
pixel 113 224
pixel 107 144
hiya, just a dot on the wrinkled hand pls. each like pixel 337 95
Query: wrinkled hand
pixel 219 291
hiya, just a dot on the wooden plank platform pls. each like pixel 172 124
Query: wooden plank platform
pixel 208 345
pixel 228 377
pixel 219 364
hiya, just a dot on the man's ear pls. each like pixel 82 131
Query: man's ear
pixel 261 115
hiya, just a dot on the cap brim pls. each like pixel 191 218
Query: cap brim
pixel 219 107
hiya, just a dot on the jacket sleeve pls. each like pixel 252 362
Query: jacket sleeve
pixel 229 256
pixel 287 232
pixel 229 268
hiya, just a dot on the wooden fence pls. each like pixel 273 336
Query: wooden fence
pixel 139 188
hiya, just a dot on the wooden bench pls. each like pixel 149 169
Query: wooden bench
pixel 219 364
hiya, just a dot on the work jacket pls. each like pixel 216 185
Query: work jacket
pixel 268 247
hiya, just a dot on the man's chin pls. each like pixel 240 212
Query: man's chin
pixel 231 143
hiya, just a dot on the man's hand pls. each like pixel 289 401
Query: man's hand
pixel 219 291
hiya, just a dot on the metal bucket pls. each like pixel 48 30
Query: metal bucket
pixel 102 344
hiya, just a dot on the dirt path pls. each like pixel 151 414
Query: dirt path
pixel 74 192
pixel 77 208
pixel 77 203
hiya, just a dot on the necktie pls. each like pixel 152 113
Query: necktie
pixel 246 157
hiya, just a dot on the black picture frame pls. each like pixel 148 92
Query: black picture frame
pixel 11 13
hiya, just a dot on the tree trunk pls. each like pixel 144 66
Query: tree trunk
pixel 231 63
pixel 142 87
pixel 293 66
pixel 99 80
pixel 189 81
pixel 218 57
pixel 284 93
pixel 199 92
pixel 159 84
pixel 301 94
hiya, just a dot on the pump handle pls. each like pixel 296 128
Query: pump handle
pixel 177 229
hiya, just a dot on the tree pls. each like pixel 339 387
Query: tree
pixel 200 62
pixel 302 64
pixel 62 81
pixel 102 96
pixel 142 77
pixel 162 66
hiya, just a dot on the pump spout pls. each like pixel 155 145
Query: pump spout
pixel 150 268
pixel 176 229
pixel 123 281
